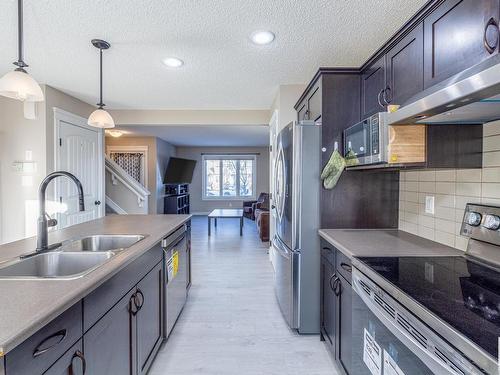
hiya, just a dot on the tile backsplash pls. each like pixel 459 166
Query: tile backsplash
pixel 452 189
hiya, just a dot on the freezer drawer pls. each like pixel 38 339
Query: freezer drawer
pixel 286 283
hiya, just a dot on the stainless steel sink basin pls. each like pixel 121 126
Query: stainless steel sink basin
pixel 102 243
pixel 64 265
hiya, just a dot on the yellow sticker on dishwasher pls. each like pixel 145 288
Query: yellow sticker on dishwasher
pixel 175 262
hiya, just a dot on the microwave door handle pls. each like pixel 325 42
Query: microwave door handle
pixel 430 359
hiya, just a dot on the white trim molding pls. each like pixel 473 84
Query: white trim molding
pixel 61 116
pixel 115 207
pixel 133 149
pixel 220 158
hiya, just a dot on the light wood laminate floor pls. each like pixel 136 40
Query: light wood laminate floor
pixel 231 324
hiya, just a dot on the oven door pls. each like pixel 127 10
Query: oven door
pixel 388 339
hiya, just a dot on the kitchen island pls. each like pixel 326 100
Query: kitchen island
pixel 31 305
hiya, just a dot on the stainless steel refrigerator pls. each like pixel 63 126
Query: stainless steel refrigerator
pixel 296 242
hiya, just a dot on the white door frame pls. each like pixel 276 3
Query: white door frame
pixel 132 149
pixel 61 116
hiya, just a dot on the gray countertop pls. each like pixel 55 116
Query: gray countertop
pixel 388 242
pixel 28 305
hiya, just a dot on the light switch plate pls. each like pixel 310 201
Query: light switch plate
pixel 429 204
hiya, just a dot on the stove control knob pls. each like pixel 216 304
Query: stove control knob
pixel 492 222
pixel 473 218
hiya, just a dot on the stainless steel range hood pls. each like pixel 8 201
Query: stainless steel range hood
pixel 472 97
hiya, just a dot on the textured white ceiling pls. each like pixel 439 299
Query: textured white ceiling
pixel 205 135
pixel 223 69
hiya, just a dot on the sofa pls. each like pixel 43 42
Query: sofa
pixel 262 221
pixel 249 207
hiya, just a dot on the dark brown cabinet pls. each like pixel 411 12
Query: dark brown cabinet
pixel 405 68
pixel 372 88
pixel 457 35
pixel 310 106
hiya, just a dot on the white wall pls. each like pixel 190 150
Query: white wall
pixel 18 135
pixel 452 190
pixel 200 206
pixel 285 100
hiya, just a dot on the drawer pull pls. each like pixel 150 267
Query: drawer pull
pixel 346 267
pixel 132 305
pixel 78 354
pixel 40 349
pixel 327 249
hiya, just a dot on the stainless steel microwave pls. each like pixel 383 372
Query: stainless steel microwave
pixel 368 140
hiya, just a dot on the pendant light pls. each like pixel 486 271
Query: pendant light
pixel 19 84
pixel 100 118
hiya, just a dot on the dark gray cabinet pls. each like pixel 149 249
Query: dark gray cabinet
pixel 328 304
pixel 37 353
pixel 127 338
pixel 344 324
pixel 457 35
pixel 149 318
pixel 405 68
pixel 71 363
pixel 109 344
pixel 336 305
pixel 372 88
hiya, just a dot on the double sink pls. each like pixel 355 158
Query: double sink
pixel 74 258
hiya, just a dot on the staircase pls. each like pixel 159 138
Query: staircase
pixel 124 195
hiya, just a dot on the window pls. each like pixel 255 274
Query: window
pixel 229 177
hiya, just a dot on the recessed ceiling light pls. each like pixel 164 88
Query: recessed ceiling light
pixel 173 62
pixel 115 133
pixel 262 37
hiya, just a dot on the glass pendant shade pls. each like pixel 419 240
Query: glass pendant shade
pixel 101 119
pixel 21 86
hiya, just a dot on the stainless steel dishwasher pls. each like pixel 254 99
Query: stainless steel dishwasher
pixel 176 271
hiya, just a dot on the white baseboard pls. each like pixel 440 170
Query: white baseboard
pixel 115 207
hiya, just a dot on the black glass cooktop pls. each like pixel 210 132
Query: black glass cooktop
pixel 462 292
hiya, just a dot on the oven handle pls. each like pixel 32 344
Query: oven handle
pixel 430 359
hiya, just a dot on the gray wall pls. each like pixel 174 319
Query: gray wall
pixel 198 205
pixel 159 153
pixel 164 151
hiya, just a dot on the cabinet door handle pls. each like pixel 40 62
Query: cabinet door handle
pixel 332 286
pixel 379 99
pixel 385 98
pixel 346 267
pixel 337 287
pixel 132 307
pixel 40 349
pixel 491 45
pixel 139 299
pixel 327 248
pixel 78 354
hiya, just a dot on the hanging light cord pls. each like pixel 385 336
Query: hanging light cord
pixel 20 61
pixel 100 104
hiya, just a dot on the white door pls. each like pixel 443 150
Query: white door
pixel 79 151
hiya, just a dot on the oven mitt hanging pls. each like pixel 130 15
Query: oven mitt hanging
pixel 333 170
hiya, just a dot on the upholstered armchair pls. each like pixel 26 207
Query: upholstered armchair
pixel 249 207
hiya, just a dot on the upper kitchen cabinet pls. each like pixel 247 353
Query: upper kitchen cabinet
pixel 405 68
pixel 372 88
pixel 457 35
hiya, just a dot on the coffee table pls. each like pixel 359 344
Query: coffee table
pixel 226 213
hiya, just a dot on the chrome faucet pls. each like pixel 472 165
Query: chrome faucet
pixel 44 220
